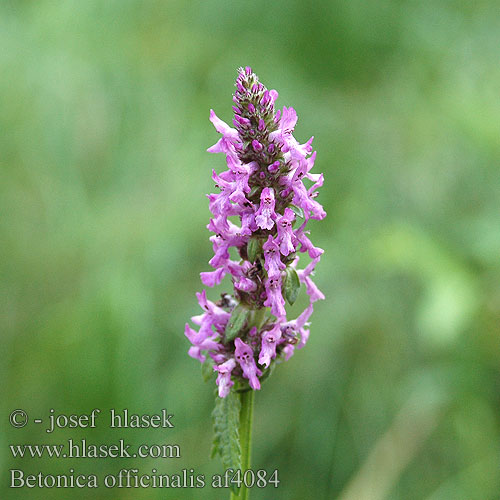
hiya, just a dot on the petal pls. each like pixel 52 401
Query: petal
pixel 222 127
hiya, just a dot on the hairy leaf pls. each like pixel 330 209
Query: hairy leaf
pixel 226 419
pixel 236 322
pixel 253 248
pixel 253 191
pixel 292 285
pixel 298 211
pixel 207 369
pixel 267 372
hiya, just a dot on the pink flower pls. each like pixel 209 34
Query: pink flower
pixel 244 355
pixel 286 237
pixel 224 377
pixel 230 138
pixel 275 298
pixel 272 258
pixel 304 276
pixel 268 349
pixel 265 215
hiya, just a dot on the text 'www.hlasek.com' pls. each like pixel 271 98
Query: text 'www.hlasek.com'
pixel 76 448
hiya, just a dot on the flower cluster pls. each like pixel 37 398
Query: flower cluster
pixel 261 210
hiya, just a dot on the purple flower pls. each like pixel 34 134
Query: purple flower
pixel 244 355
pixel 212 278
pixel 301 198
pixel 288 351
pixel 245 284
pixel 200 340
pixel 287 122
pixel 286 237
pixel 240 180
pixel 223 240
pixel 275 298
pixel 306 245
pixel 196 353
pixel 230 138
pixel 248 225
pixel 254 241
pixel 218 315
pixel 268 348
pixel 224 377
pixel 296 326
pixel 265 215
pixel 304 276
pixel 272 258
pixel 220 204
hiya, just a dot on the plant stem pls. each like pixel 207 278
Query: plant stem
pixel 245 431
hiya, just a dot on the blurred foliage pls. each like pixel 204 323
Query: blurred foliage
pixel 104 127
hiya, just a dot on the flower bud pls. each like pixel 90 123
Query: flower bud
pixel 274 167
pixel 257 146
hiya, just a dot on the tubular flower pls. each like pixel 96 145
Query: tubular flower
pixel 264 188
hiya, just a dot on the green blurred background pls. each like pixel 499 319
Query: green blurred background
pixel 103 131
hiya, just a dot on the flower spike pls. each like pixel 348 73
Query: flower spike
pixel 263 186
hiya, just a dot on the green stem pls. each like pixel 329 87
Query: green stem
pixel 245 431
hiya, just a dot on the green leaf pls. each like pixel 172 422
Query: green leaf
pixel 292 285
pixel 226 419
pixel 254 247
pixel 297 211
pixel 253 191
pixel 207 369
pixel 267 372
pixel 236 322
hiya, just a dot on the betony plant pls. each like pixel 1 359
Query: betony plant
pixel 261 209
